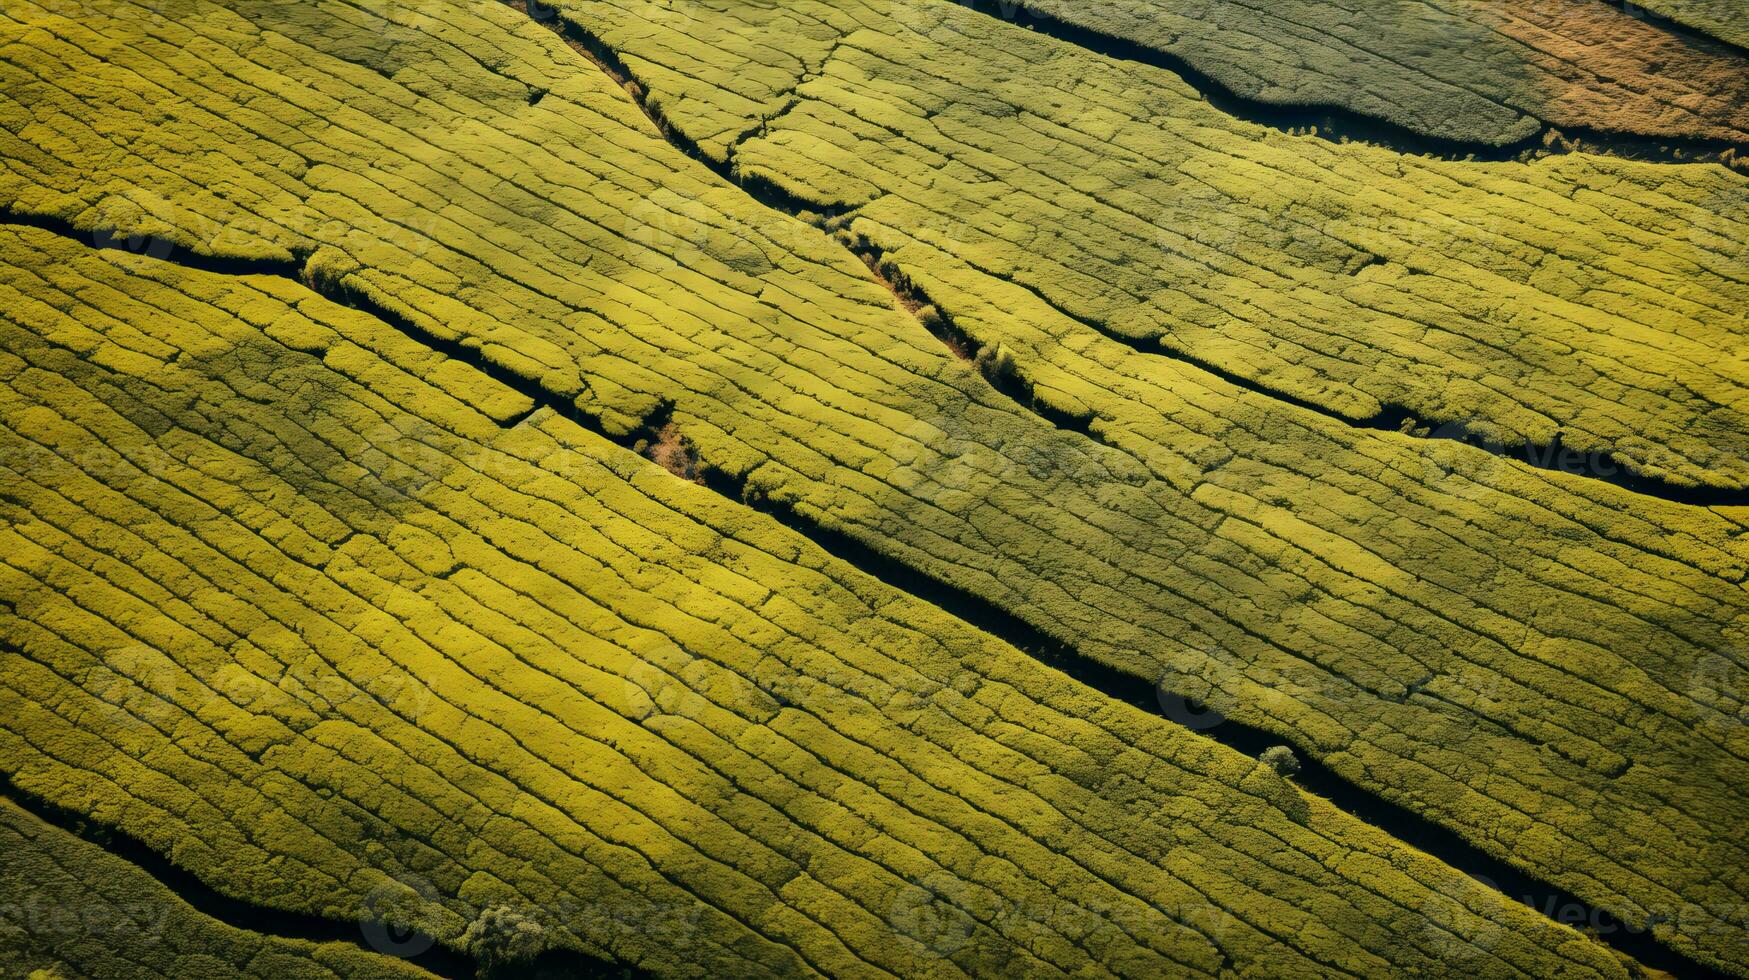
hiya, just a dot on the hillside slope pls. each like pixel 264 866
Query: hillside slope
pixel 1168 476
pixel 1480 73
pixel 339 625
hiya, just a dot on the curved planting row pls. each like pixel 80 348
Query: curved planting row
pixel 336 623
pixel 1544 664
pixel 69 908
pixel 1475 73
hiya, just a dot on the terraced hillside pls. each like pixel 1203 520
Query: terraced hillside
pixel 1594 303
pixel 1720 18
pixel 72 909
pixel 331 569
pixel 1484 72
pixel 465 656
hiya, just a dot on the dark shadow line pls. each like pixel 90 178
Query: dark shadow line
pixel 1338 124
pixel 1396 820
pixel 239 914
pixel 1393 819
pixel 1670 25
pixel 1599 465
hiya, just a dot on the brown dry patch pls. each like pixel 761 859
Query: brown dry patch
pixel 673 452
pixel 547 16
pixel 908 298
pixel 1595 67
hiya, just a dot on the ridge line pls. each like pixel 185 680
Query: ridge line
pixel 236 913
pixel 1600 466
pixel 1341 124
pixel 1396 821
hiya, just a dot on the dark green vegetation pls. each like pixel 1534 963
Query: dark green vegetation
pixel 298 594
pixel 70 909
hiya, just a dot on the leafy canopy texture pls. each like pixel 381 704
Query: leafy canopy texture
pixel 328 569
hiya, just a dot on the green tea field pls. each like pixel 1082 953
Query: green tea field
pixel 874 488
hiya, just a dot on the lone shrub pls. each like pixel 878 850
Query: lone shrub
pixel 1281 759
pixel 503 937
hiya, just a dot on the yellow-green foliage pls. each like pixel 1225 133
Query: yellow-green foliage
pixel 1542 664
pixel 69 909
pixel 1590 301
pixel 1723 19
pixel 335 639
pixel 1481 71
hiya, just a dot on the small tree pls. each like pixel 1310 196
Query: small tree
pixel 1281 759
pixel 503 937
